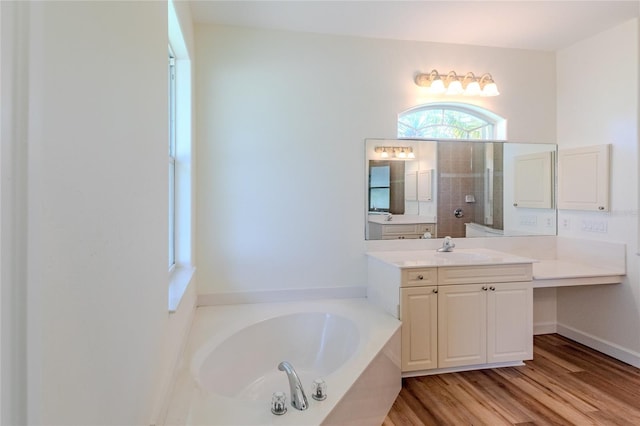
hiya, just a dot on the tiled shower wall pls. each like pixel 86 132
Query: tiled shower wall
pixel 455 180
pixel 461 172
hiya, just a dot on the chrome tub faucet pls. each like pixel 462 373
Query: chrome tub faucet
pixel 298 397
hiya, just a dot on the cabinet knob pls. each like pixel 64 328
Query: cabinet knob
pixel 420 277
pixel 435 290
pixel 492 288
pixel 484 287
pixel 601 208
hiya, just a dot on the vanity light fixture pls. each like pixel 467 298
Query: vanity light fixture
pixel 398 152
pixel 453 84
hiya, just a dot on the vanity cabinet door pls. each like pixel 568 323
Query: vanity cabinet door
pixel 583 178
pixel 419 316
pixel 462 325
pixel 509 322
pixel 484 323
pixel 534 180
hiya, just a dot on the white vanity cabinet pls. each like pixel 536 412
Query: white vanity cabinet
pixel 459 316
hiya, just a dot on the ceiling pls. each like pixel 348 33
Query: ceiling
pixel 537 25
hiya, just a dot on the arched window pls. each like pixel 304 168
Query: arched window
pixel 450 120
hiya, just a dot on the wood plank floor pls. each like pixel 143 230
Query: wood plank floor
pixel 565 384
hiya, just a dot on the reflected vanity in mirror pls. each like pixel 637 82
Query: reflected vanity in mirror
pixel 437 188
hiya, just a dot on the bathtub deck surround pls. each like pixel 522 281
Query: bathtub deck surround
pixel 230 370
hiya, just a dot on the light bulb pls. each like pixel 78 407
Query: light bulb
pixel 437 86
pixel 455 88
pixel 490 89
pixel 473 89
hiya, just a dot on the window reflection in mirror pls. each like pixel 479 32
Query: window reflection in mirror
pixel 386 186
pixel 379 185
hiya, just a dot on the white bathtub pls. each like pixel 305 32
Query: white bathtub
pixel 229 370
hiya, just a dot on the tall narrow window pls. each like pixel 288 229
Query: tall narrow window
pixel 172 159
pixel 180 149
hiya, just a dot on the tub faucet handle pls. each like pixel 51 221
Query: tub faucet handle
pixel 319 390
pixel 279 403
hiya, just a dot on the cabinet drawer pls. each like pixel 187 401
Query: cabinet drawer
pixel 484 274
pixel 426 227
pixel 398 229
pixel 419 277
pixel 401 237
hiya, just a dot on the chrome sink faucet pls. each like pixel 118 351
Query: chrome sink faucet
pixel 447 245
pixel 298 397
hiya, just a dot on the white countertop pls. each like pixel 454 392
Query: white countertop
pixel 562 273
pixel 546 273
pixel 457 257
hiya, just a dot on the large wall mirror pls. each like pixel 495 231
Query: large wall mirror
pixel 459 188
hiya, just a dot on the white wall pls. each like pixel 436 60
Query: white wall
pixel 594 110
pixel 282 119
pixel 95 166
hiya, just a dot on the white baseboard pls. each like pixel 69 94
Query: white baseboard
pixel 433 371
pixel 608 348
pixel 290 295
pixel 544 328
